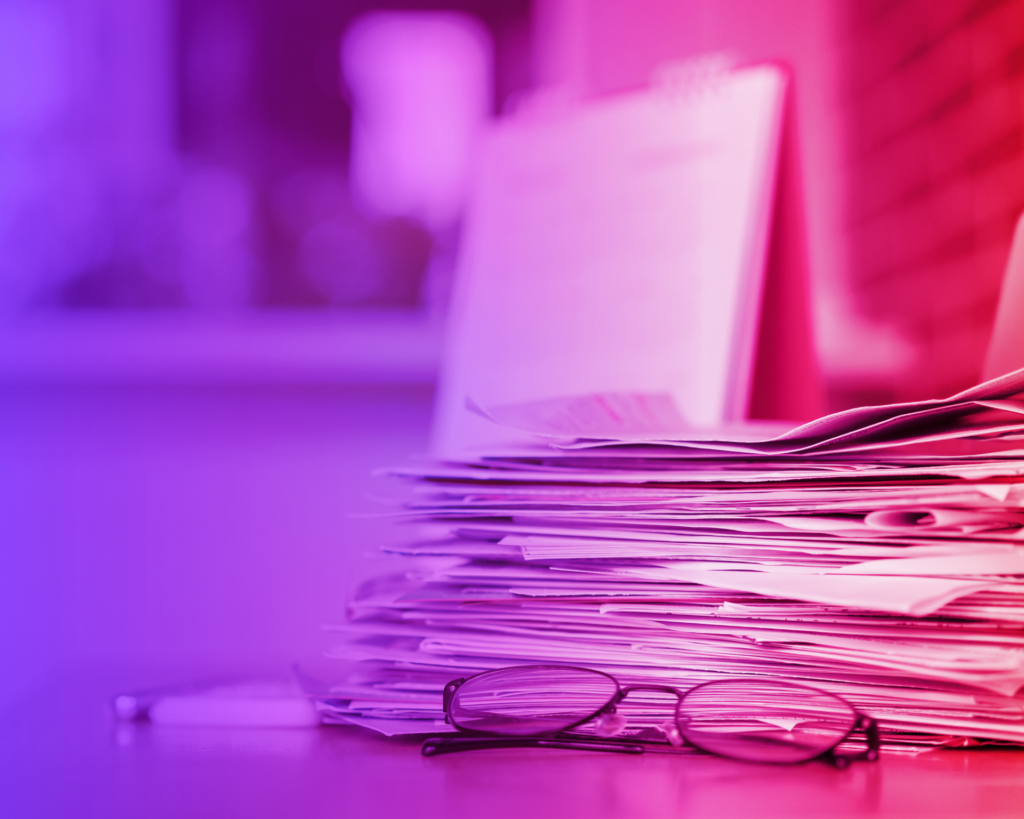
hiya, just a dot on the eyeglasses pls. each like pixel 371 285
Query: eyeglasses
pixel 748 719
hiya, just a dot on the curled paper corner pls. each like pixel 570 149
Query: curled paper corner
pixel 391 727
pixel 996 491
pixel 620 415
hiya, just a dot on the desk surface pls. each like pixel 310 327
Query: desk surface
pixel 210 527
pixel 83 764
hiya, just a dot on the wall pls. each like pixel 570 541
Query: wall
pixel 931 95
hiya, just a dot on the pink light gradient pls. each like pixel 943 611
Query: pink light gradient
pixel 225 277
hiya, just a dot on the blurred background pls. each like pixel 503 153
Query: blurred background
pixel 258 188
pixel 227 233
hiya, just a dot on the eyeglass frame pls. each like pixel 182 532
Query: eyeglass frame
pixel 481 740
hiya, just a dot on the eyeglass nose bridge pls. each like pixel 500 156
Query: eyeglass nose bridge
pixel 625 691
pixel 606 716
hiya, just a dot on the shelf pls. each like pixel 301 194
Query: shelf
pixel 363 346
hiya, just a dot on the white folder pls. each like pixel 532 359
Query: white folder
pixel 623 247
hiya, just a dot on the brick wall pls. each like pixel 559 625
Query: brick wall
pixel 932 104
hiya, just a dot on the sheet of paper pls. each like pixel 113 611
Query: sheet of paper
pixel 995 407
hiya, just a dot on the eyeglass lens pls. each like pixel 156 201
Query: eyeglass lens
pixel 530 699
pixel 763 721
pixel 755 720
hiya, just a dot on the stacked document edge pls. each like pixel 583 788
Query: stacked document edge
pixel 878 554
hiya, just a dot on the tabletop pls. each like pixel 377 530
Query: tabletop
pixel 152 534
pixel 69 758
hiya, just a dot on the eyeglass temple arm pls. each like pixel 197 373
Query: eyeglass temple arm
pixel 435 746
pixel 870 728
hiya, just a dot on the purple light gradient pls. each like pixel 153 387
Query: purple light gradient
pixel 208 342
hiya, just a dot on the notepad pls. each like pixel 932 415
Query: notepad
pixel 619 246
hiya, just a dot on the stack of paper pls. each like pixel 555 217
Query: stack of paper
pixel 877 553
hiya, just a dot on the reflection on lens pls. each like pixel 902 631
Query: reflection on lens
pixel 536 699
pixel 763 721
